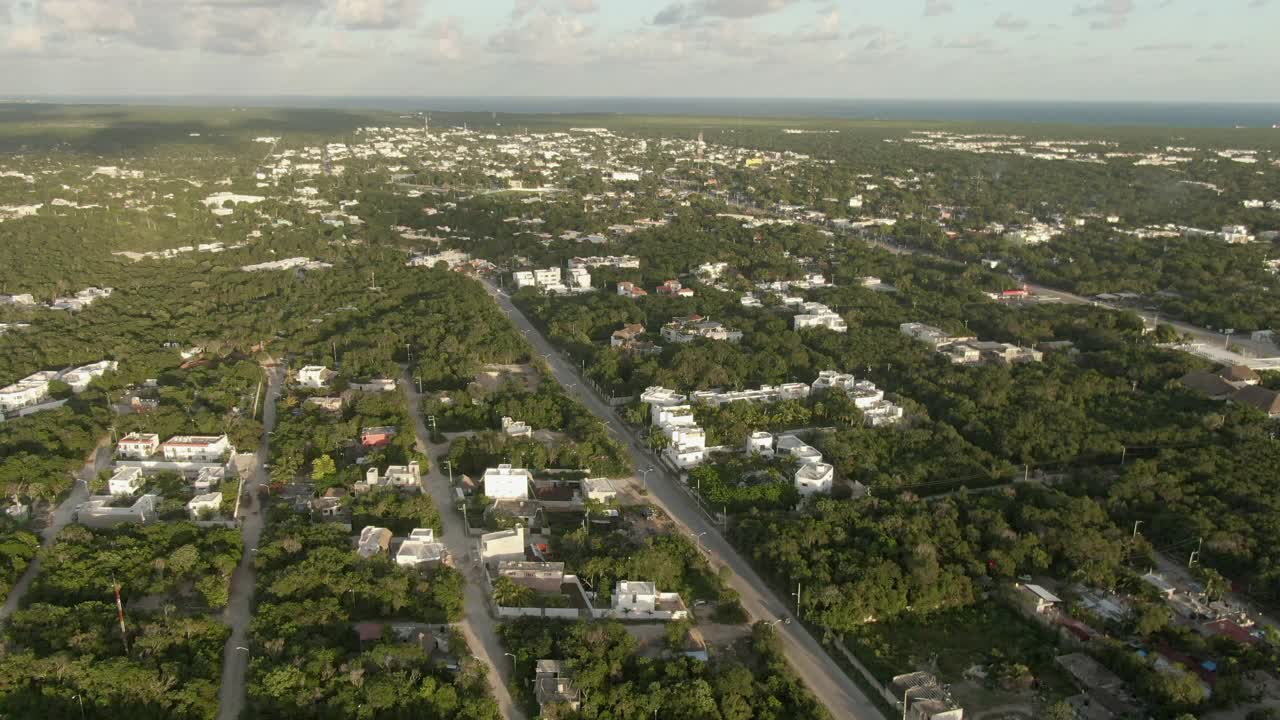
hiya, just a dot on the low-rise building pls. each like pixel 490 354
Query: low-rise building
pixel 315 376
pixel 694 327
pixel 196 448
pixel 600 489
pixel 328 404
pixel 816 477
pixel 543 577
pixel 125 481
pixel 673 288
pixel 138 446
pixel 516 428
pixel 505 482
pixel 817 315
pixel 925 699
pixel 98 512
pixel 1037 598
pixel 420 549
pixel 552 687
pixel 631 290
pixel 399 476
pixel 641 599
pixel 627 336
pixel 503 545
pixel 204 505
pixel 377 436
pixel 760 442
pixel 373 541
pixel 208 478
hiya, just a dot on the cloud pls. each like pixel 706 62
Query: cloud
pixel 688 12
pixel 1011 22
pixel 1107 14
pixel 937 8
pixel 6 15
pixel 543 37
pixel 444 41
pixel 26 40
pixel 376 14
pixel 1258 3
pixel 975 41
pixel 1164 47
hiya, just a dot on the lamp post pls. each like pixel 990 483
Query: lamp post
pixel 645 476
pixel 81 701
pixel 513 663
pixel 449 464
pixel 1136 523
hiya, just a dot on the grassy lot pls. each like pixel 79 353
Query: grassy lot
pixel 958 639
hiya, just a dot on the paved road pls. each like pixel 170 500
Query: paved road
pixel 478 626
pixel 61 518
pixel 235 661
pixel 827 681
pixel 1199 334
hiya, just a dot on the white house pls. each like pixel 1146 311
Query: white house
pixel 207 478
pixel 99 512
pixel 507 483
pixel 196 448
pixel 817 315
pixel 516 428
pixel 632 596
pixel 672 415
pixel 125 481
pixel 79 378
pixel 601 489
pixel 27 391
pixel 373 540
pixel 138 446
pixel 207 503
pixel 657 395
pixel 579 279
pixel 814 478
pixel 315 376
pixel 503 545
pixel 420 549
pixel 760 442
pixel 396 476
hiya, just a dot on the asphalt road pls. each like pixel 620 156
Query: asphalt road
pixel 235 656
pixel 61 518
pixel 811 663
pixel 478 625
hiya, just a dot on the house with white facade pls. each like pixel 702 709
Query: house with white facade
pixel 502 545
pixel 816 477
pixel 315 377
pixel 420 549
pixel 373 541
pixel 693 327
pixel 196 448
pixel 641 600
pixel 399 476
pixel 138 446
pixel 817 315
pixel 98 512
pixel 207 504
pixel 79 378
pixel 516 428
pixel 761 443
pixel 30 390
pixel 507 483
pixel 125 481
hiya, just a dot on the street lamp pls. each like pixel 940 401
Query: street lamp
pixel 81 701
pixel 513 663
pixel 449 464
pixel 645 476
pixel 419 381
pixel 698 539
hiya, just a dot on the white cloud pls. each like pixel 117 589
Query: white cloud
pixel 542 37
pixel 26 40
pixel 686 12
pixel 376 14
pixel 1011 22
pixel 1107 14
pixel 936 8
pixel 973 41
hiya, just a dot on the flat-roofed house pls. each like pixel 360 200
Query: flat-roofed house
pixel 195 448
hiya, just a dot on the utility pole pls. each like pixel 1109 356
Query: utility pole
pixel 799 612
pixel 1136 523
pixel 1124 452
pixel 124 635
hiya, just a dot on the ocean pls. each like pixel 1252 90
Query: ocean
pixel 1163 114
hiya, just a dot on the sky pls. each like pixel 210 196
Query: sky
pixel 1143 50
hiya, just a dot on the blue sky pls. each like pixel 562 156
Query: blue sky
pixel 1212 50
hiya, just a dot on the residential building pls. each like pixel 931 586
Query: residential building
pixel 552 687
pixel 1239 376
pixel 79 378
pixel 377 436
pixel 375 385
pixel 207 504
pixel 543 577
pixel 712 271
pixel 1268 401
pixel 1235 234
pixel 817 315
pixel 925 699
pixel 621 261
pixel 627 336
pixel 98 512
pixel 693 327
pixel 373 541
pixel 660 396
pixel 579 279
pixel 503 545
pixel 631 290
pixel 625 176
pixel 420 549
pixel 672 415
pixel 208 478
pixel 516 428
pixel 196 448
pixel 673 288
pixel 927 334
pixel 125 481
pixel 138 446
pixel 631 596
pixel 506 483
pixel 1211 385
pixel 1039 599
pixel 815 477
pixel 328 404
pixel 882 413
pixel 760 442
pixel 315 376
pixel 601 489
pixel 409 476
pixel 765 393
pixel 30 390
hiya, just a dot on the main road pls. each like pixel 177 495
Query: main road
pixel 478 626
pixel 235 656
pixel 828 682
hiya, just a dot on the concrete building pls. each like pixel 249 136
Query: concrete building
pixel 543 577
pixel 328 404
pixel 1041 600
pixel 137 446
pixel 626 336
pixel 656 395
pixel 206 504
pixel 196 448
pixel 401 476
pixel 507 483
pixel 377 436
pixel 503 545
pixel 97 512
pixel 552 688
pixel 516 428
pixel 925 699
pixel 760 442
pixel 28 391
pixel 79 378
pixel 817 477
pixel 315 377
pixel 125 481
pixel 631 290
pixel 420 549
pixel 630 596
pixel 373 541
pixel 600 489
pixel 208 478
pixel 927 334
pixel 817 315
pixel 693 327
